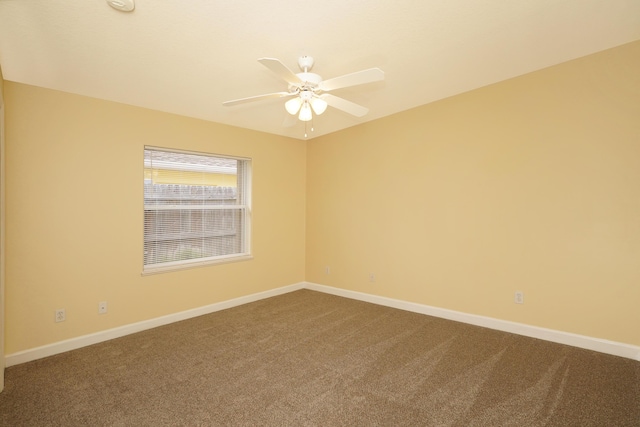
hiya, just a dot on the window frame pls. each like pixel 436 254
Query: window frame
pixel 244 178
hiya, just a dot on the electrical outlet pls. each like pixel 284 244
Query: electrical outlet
pixel 61 316
pixel 102 307
pixel 519 297
pixel 372 277
pixel 327 270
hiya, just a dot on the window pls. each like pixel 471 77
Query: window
pixel 197 209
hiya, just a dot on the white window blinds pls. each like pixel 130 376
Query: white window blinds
pixel 196 209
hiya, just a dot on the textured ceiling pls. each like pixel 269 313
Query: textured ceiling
pixel 187 57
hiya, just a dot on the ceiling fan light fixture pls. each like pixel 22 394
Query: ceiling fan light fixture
pixel 319 105
pixel 293 105
pixel 305 112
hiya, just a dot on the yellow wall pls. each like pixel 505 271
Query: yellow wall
pixel 67 249
pixel 2 230
pixel 531 184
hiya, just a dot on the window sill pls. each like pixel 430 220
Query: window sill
pixel 196 264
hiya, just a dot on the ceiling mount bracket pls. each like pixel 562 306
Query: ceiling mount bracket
pixel 305 63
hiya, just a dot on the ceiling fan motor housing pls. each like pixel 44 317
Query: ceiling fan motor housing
pixel 310 80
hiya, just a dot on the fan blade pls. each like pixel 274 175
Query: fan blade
pixel 358 78
pixel 257 98
pixel 281 70
pixel 344 105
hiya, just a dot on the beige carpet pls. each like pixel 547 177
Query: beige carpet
pixel 311 359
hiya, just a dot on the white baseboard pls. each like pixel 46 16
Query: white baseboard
pixel 596 344
pixel 85 340
pixel 581 341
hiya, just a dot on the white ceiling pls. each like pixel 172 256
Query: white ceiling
pixel 187 57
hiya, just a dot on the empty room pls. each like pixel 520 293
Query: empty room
pixel 331 213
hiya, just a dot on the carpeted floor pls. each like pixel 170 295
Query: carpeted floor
pixel 311 359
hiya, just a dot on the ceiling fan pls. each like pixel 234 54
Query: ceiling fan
pixel 308 92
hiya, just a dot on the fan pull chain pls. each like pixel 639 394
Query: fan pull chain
pixel 305 127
